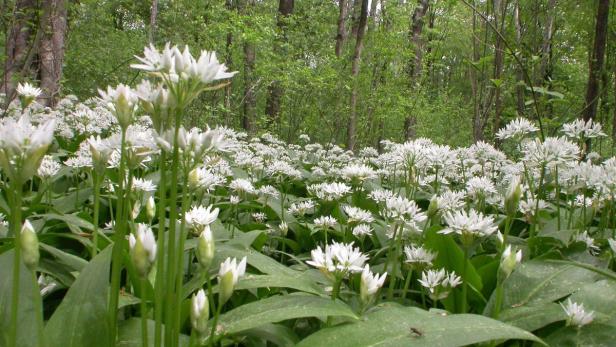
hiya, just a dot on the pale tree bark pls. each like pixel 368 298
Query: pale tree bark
pixel 543 73
pixel 342 33
pixel 229 5
pixel 415 65
pixel 51 51
pixel 153 15
pixel 19 45
pixel 596 62
pixel 474 79
pixel 355 17
pixel 250 97
pixel 359 45
pixel 519 90
pixel 275 90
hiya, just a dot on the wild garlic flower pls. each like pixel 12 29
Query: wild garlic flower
pixel 199 217
pixel 576 315
pixel 242 185
pixel 49 167
pixel 419 256
pixel 509 260
pixel 122 102
pixel 517 128
pixel 358 172
pixel 450 200
pixel 142 248
pixel 404 212
pixel 23 145
pixel 329 191
pixel 205 247
pixel 480 186
pixel 203 178
pixel 370 284
pixel 579 129
pixel 27 93
pixel 356 215
pixel 381 195
pixel 143 185
pixel 362 230
pixel 338 259
pixel 325 222
pixel 228 275
pixel 439 282
pixel 259 217
pixel 301 208
pixel 554 151
pixel 588 241
pixel 469 225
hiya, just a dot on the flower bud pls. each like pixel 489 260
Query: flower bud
pixel 509 260
pixel 433 207
pixel 205 247
pixel 193 178
pixel 200 312
pixel 150 208
pixel 512 199
pixel 142 249
pixel 284 228
pixel 228 276
pixel 370 284
pixel 29 246
pixel 136 209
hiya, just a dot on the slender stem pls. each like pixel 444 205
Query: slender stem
pixel 144 311
pixel 15 227
pixel 160 284
pixel 118 245
pixel 186 196
pixel 498 302
pixel 557 199
pixel 407 282
pixel 97 193
pixel 464 280
pixel 38 307
pixel 214 324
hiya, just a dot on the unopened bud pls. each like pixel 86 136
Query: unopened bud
pixel 206 247
pixel 142 249
pixel 200 312
pixel 433 207
pixel 193 178
pixel 512 199
pixel 29 246
pixel 509 260
pixel 150 208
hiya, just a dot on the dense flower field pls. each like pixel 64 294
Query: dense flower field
pixel 121 227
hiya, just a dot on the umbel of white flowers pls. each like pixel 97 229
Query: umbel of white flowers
pixel 23 145
pixel 27 93
pixel 576 315
pixel 142 248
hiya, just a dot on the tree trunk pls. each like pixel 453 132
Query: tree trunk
pixel 228 62
pixel 18 45
pixel 520 89
pixel 596 61
pixel 499 55
pixel 359 45
pixel 546 46
pixel 474 79
pixel 153 14
pixel 415 65
pixel 275 90
pixel 355 17
pixel 342 34
pixel 51 51
pixel 250 97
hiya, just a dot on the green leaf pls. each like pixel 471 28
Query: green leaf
pixel 26 315
pixel 129 334
pixel 409 326
pixel 531 318
pixel 277 334
pixel 280 308
pixel 593 335
pixel 81 318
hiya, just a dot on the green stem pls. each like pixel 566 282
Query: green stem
pixel 118 245
pixel 498 302
pixel 186 196
pixel 144 311
pixel 16 187
pixel 38 307
pixel 407 282
pixel 212 338
pixel 97 194
pixel 464 281
pixel 160 285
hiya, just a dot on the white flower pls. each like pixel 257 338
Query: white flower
pixel 528 206
pixel 325 222
pixel 469 224
pixel 517 128
pixel 338 258
pixel 205 179
pixel 329 191
pixel 431 279
pixel 233 267
pixel 370 283
pixel 380 195
pixel 49 167
pixel 357 215
pixel 301 208
pixel 143 185
pixel 242 185
pixel 122 101
pixel 27 90
pixel 199 311
pixel 362 230
pixel 554 151
pixel 576 315
pixel 439 283
pixel 360 172
pixel 419 255
pixel 589 241
pixel 145 235
pixel 259 217
pixel 450 201
pixel 401 209
pixel 509 260
pixel 579 129
pixel 480 186
pixel 199 216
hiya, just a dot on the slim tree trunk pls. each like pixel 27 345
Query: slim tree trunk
pixel 546 46
pixel 519 90
pixel 596 61
pixel 18 44
pixel 52 48
pixel 250 97
pixel 359 45
pixel 275 90
pixel 474 79
pixel 415 65
pixel 228 62
pixel 153 15
pixel 342 34
pixel 499 55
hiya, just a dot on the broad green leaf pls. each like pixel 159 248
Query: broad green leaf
pixel 593 335
pixel 599 297
pixel 410 326
pixel 129 334
pixel 531 318
pixel 81 318
pixel 277 334
pixel 280 308
pixel 26 312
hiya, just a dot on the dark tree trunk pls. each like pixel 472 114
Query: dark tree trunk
pixel 596 61
pixel 250 97
pixel 519 90
pixel 359 45
pixel 19 45
pixel 153 15
pixel 275 90
pixel 52 48
pixel 499 56
pixel 546 46
pixel 342 34
pixel 415 65
pixel 228 62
